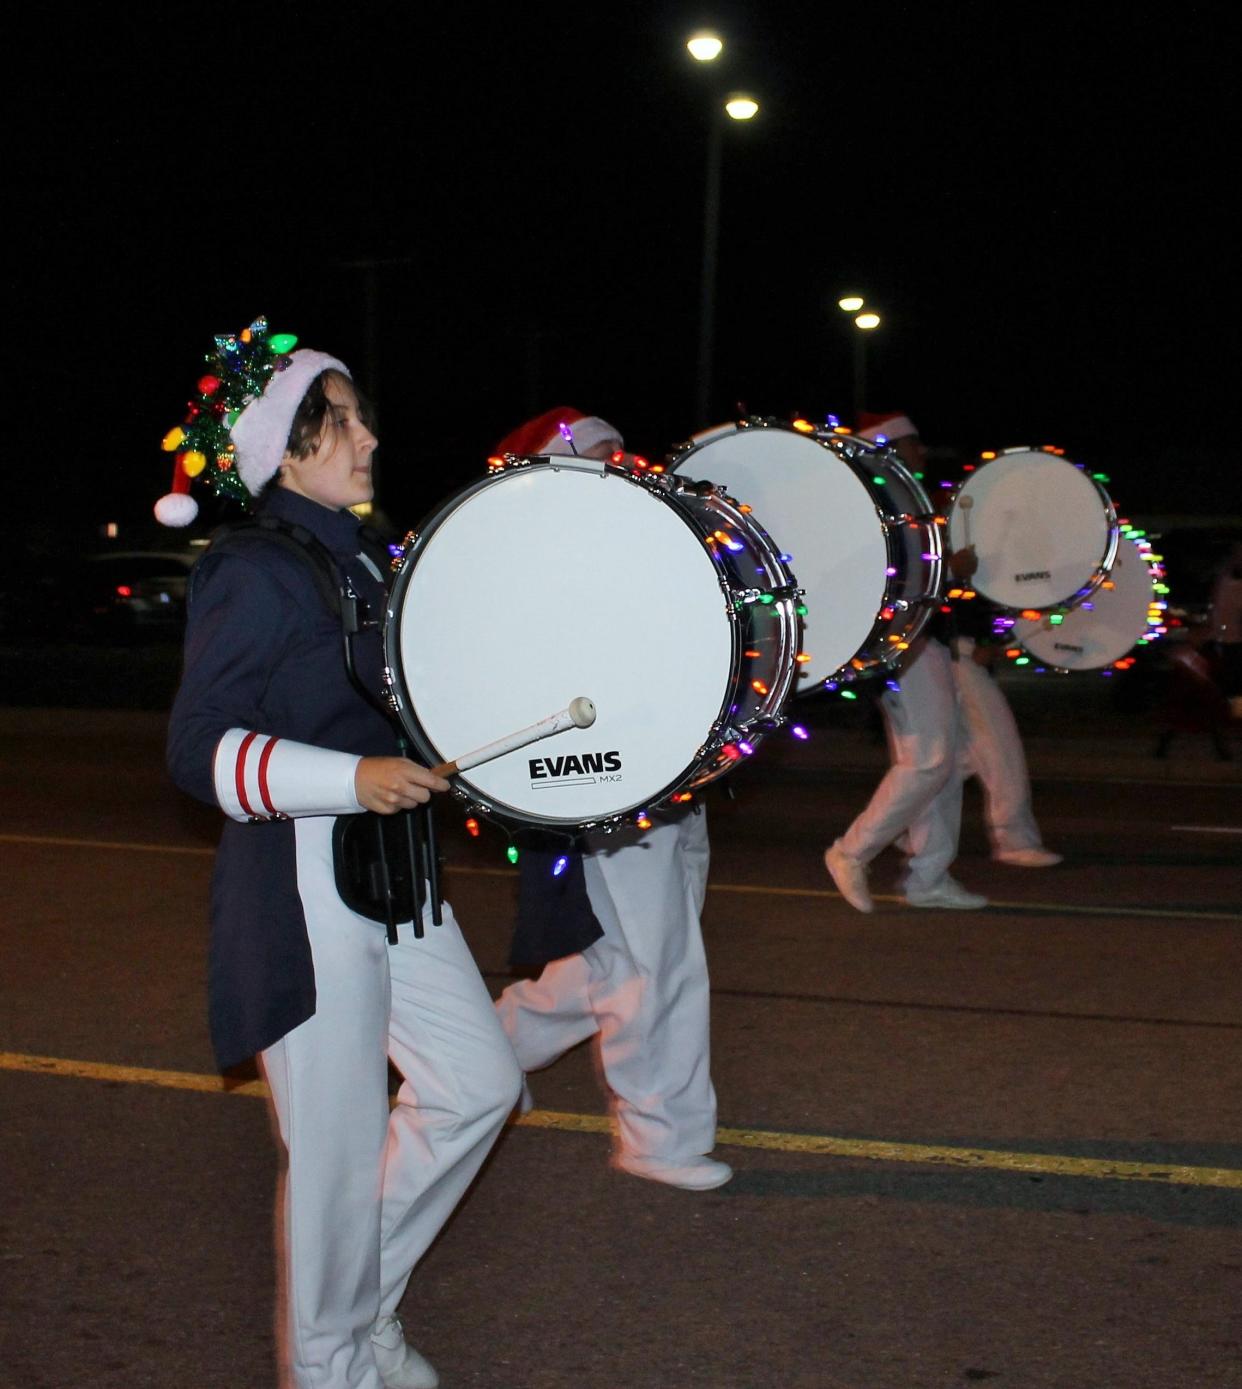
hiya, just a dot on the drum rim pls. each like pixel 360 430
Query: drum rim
pixel 1050 663
pixel 399 692
pixel 1106 562
pixel 841 446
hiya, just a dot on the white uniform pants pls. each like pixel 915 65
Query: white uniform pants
pixel 992 751
pixel 365 1193
pixel 921 793
pixel 642 988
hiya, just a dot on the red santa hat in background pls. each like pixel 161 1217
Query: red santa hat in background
pixel 546 434
pixel 892 424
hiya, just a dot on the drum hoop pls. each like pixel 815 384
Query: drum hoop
pixel 1106 562
pixel 1153 576
pixel 845 448
pixel 399 691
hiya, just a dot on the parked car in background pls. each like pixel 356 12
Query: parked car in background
pixel 126 595
pixel 132 591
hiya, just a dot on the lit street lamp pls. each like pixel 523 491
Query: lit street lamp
pixel 705 48
pixel 864 323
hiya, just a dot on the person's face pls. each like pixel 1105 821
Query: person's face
pixel 338 474
pixel 911 450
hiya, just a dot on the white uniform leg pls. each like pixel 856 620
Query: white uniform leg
pixel 649 987
pixel 544 1017
pixel 992 751
pixel 355 1198
pixel 920 792
pixel 642 987
pixel 460 1083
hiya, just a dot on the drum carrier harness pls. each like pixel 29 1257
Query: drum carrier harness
pixel 380 862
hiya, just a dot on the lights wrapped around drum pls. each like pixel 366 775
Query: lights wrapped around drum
pixel 1154 604
pixel 791 475
pixel 545 518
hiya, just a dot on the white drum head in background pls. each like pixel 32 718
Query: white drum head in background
pixel 1043 529
pixel 826 518
pixel 1123 611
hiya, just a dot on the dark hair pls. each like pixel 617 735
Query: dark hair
pixel 306 432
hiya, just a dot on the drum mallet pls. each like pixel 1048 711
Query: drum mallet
pixel 580 714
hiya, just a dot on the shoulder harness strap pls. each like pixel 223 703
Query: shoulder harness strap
pixel 296 540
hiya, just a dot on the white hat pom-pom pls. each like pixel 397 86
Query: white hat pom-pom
pixel 176 509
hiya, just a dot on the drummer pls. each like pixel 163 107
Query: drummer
pixel 620 942
pixel 268 726
pixel 919 800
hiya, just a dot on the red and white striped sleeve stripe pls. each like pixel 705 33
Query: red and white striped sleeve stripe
pixel 258 777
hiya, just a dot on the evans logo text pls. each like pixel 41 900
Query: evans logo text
pixel 1067 646
pixel 576 764
pixel 1032 574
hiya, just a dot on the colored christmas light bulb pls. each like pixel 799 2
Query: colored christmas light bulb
pixel 511 853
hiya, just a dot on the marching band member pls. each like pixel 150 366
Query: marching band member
pixel 268 726
pixel 641 988
pixel 919 799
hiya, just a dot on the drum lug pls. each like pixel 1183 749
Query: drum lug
pixel 570 464
pixel 390 692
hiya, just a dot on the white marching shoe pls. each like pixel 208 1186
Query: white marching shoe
pixel 691 1174
pixel 850 876
pixel 1036 857
pixel 949 893
pixel 399 1364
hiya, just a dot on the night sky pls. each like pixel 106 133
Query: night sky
pixel 1034 200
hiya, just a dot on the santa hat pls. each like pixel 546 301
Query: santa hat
pixel 547 434
pixel 891 424
pixel 261 431
pixel 237 429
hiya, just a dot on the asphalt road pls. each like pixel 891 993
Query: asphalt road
pixel 999 1146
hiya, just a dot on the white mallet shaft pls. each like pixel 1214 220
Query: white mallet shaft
pixel 579 714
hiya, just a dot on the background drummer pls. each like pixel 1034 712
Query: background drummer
pixel 621 945
pixel 919 800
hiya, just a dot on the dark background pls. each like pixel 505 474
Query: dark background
pixel 1031 196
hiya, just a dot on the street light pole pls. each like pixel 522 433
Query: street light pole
pixel 864 323
pixel 706 47
pixel 860 375
pixel 707 282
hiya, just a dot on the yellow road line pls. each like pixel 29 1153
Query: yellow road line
pixel 818 1145
pixel 745 889
pixel 132 1075
pixel 57 842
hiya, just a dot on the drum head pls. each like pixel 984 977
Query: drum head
pixel 1042 529
pixel 1104 627
pixel 821 515
pixel 542 584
